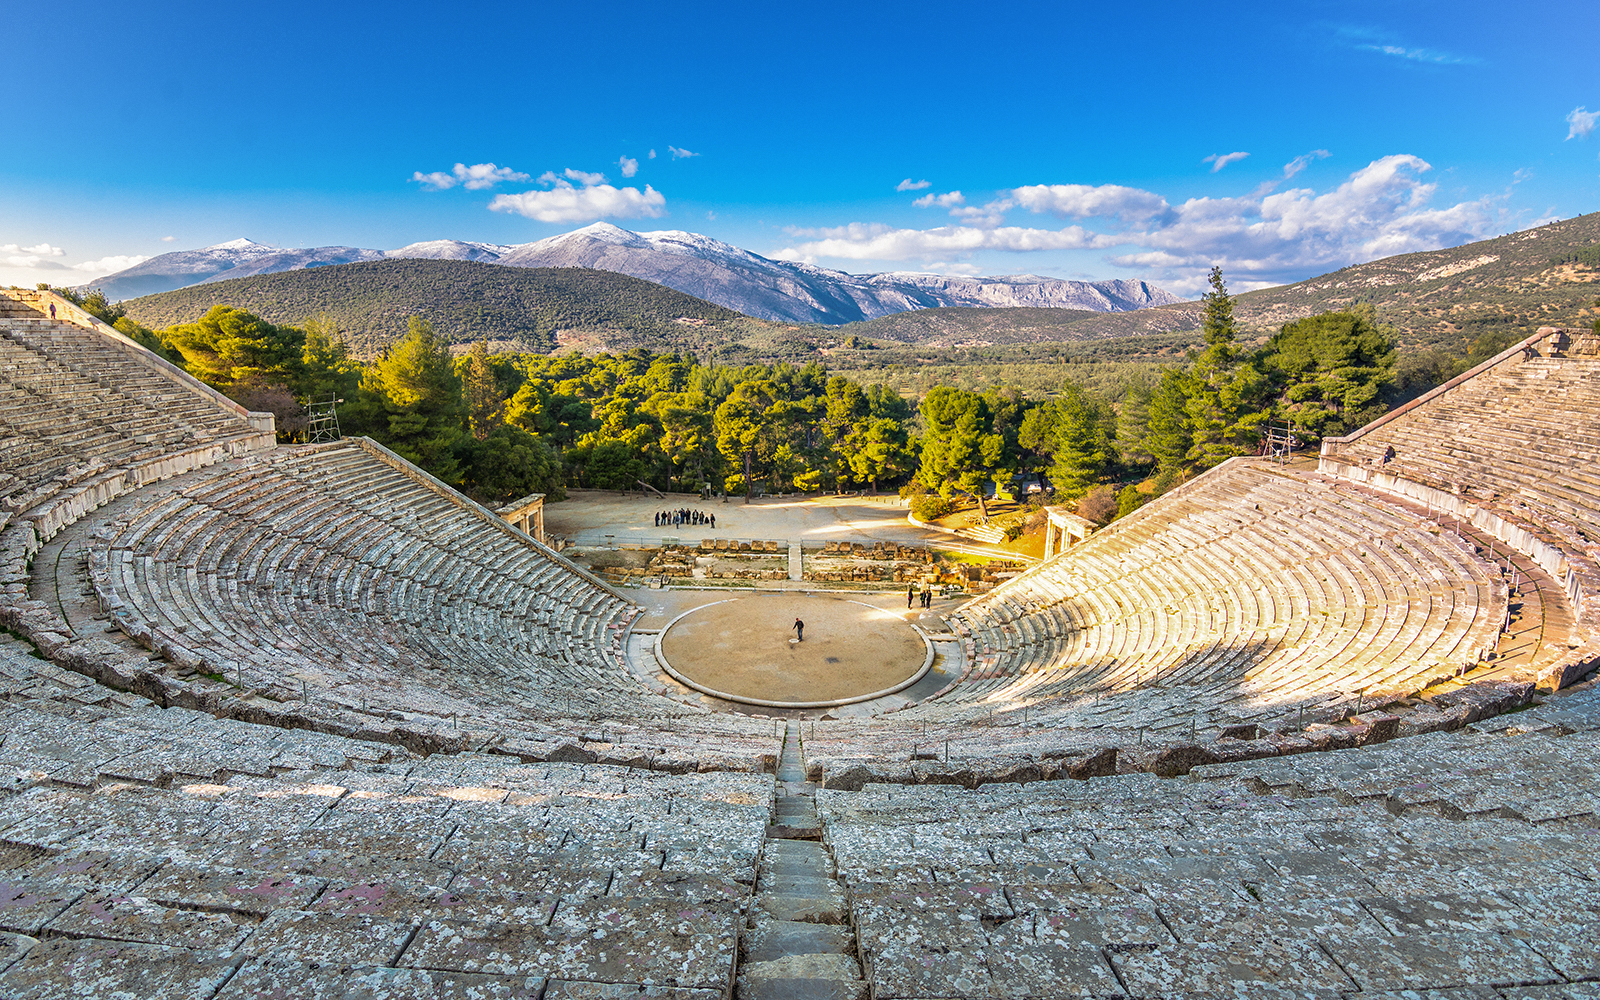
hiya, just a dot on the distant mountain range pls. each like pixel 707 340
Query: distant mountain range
pixel 783 291
pixel 1510 285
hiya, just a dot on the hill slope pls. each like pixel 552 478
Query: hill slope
pixel 783 291
pixel 1549 276
pixel 515 307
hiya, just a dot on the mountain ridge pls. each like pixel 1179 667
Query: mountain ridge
pixel 1507 285
pixel 729 276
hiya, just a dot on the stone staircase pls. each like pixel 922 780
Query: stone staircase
pixel 799 944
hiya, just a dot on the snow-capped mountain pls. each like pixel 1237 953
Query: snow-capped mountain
pixel 689 262
pixel 235 259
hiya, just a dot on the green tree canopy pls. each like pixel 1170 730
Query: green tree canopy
pixel 959 446
pixel 229 345
pixel 1326 372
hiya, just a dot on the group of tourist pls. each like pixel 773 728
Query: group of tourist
pixel 925 595
pixel 685 515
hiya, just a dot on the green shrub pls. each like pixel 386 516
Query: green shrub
pixel 931 507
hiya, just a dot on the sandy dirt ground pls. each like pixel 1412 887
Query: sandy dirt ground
pixel 745 646
pixel 603 518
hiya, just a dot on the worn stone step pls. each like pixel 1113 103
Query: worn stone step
pixel 807 866
pixel 774 939
pixel 788 850
pixel 807 966
pixel 799 989
pixel 806 884
pixel 804 900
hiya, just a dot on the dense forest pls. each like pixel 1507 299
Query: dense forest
pixel 501 425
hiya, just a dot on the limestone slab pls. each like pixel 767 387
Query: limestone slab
pixel 137 918
pixel 1433 960
pixel 88 967
pixel 329 939
pixel 277 979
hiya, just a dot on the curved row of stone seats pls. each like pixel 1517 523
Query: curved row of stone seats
pixel 1512 447
pixel 1541 765
pixel 330 571
pixel 78 399
pixel 1246 594
pixel 454 875
pixel 1148 887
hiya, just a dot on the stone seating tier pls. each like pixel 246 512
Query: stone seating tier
pixel 329 573
pixel 1294 877
pixel 1248 595
pixel 269 864
pixel 1510 446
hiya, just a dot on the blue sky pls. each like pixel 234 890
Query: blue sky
pixel 1075 140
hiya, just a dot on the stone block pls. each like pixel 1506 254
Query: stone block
pixel 241 890
pixel 1377 727
pixel 1176 761
pixel 1245 966
pixel 902 971
pixel 1100 764
pixel 1422 961
pixel 27 906
pixel 1027 970
pixel 136 918
pixel 571 990
pixel 90 967
pixel 1486 698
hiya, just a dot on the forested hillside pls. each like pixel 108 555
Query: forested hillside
pixel 511 307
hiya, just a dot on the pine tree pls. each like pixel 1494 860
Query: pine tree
pixel 1219 327
pixel 485 405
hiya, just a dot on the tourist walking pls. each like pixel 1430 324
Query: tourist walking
pixel 911 591
pixel 799 630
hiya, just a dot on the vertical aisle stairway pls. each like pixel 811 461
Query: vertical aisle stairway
pixel 800 944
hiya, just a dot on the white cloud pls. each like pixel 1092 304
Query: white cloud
pixel 568 203
pixel 1083 201
pixel 680 154
pixel 168 239
pixel 1580 123
pixel 986 216
pixel 960 268
pixel 477 177
pixel 1220 160
pixel 110 265
pixel 42 250
pixel 1260 238
pixel 582 177
pixel 1433 56
pixel 652 154
pixel 1380 210
pixel 711 216
pixel 1303 161
pixel 910 185
pixel 629 166
pixel 860 241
